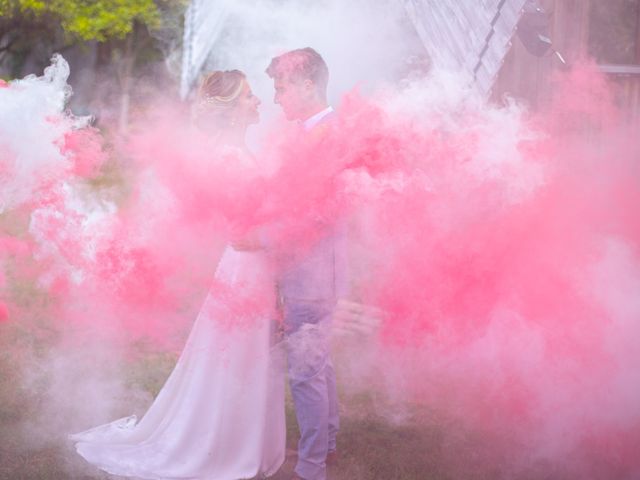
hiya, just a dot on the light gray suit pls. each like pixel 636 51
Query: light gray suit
pixel 309 287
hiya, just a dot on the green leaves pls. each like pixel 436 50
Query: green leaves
pixel 86 20
pixel 103 19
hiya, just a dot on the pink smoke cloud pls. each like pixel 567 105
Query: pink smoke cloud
pixel 501 246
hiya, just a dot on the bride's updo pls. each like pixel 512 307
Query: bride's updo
pixel 218 96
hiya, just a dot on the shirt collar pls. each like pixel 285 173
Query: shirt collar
pixel 312 121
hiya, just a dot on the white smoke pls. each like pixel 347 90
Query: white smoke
pixel 31 125
pixel 364 43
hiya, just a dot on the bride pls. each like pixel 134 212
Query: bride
pixel 220 414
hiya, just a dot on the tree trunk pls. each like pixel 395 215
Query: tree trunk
pixel 125 73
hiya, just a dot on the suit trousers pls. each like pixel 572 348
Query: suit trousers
pixel 313 382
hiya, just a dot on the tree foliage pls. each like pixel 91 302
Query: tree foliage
pixel 85 20
pixel 31 28
pixel 122 38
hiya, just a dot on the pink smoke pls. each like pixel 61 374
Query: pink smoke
pixel 85 148
pixel 499 299
pixel 502 247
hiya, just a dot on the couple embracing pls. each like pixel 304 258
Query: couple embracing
pixel 220 414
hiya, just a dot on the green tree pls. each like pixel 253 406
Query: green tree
pixel 122 29
pixel 86 20
pixel 27 25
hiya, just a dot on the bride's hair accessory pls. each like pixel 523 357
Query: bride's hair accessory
pixel 223 99
pixel 218 95
pixel 222 88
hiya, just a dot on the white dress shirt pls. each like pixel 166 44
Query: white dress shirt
pixel 312 121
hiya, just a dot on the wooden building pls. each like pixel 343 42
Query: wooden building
pixel 608 31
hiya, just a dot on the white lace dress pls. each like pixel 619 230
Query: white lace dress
pixel 220 415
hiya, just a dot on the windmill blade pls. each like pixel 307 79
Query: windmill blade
pixel 471 37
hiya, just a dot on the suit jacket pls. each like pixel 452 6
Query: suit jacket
pixel 319 275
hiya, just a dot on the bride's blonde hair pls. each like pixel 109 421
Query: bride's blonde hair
pixel 218 96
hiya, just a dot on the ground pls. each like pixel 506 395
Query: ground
pixel 420 444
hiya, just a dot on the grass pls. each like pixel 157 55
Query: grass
pixel 420 444
pixel 373 447
pixel 370 446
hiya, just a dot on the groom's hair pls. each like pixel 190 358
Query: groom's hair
pixel 301 64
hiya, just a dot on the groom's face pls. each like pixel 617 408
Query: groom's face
pixel 293 96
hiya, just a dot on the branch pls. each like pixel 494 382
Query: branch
pixel 10 44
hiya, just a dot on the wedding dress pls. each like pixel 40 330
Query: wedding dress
pixel 220 414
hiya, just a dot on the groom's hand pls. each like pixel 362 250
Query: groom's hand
pixel 248 243
pixel 246 246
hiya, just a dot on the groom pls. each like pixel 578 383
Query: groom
pixel 309 286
